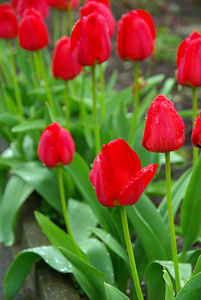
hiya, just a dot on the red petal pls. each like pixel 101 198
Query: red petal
pixel 65 147
pixel 135 187
pixel 47 151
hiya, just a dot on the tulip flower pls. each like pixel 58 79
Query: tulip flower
pixel 196 134
pixel 40 5
pixel 117 175
pixel 164 128
pixel 106 2
pixel 33 34
pixel 8 22
pixel 63 4
pixel 136 35
pixel 101 9
pixel 56 146
pixel 90 40
pixel 63 64
pixel 189 61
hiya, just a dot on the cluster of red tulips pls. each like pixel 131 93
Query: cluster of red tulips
pixel 117 175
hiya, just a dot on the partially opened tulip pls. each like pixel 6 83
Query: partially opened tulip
pixel 196 134
pixel 56 146
pixel 106 2
pixel 164 128
pixel 117 175
pixel 33 34
pixel 119 180
pixel 101 9
pixel 40 5
pixel 8 22
pixel 164 132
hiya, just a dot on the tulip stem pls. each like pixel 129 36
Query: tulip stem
pixel 67 112
pixel 130 253
pixel 171 221
pixel 39 61
pixel 15 83
pixel 194 106
pixel 64 208
pixel 102 87
pixel 70 16
pixel 56 26
pixel 95 114
pixel 136 103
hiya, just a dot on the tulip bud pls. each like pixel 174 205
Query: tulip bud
pixel 196 134
pixel 56 146
pixel 189 61
pixel 117 175
pixel 8 22
pixel 90 40
pixel 135 36
pixel 101 9
pixel 33 34
pixel 105 2
pixel 63 4
pixel 40 5
pixel 164 128
pixel 63 64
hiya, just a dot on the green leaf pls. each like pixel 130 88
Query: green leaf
pixel 94 249
pixel 169 291
pixel 112 243
pixel 197 267
pixel 178 191
pixel 150 228
pixel 31 125
pixel 155 281
pixel 42 179
pixel 90 279
pixel 113 293
pixel 191 290
pixel 23 262
pixel 191 208
pixel 81 211
pixel 56 235
pixel 16 192
pixel 168 86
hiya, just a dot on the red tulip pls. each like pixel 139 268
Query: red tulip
pixel 90 40
pixel 56 146
pixel 196 134
pixel 102 9
pixel 63 64
pixel 117 175
pixel 106 2
pixel 136 35
pixel 189 61
pixel 33 34
pixel 40 5
pixel 63 4
pixel 8 22
pixel 164 128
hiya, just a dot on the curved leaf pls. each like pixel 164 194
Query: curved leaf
pixel 113 293
pixel 191 290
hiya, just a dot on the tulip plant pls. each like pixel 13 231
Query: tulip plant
pixel 97 155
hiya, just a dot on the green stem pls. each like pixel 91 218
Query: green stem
pixel 64 208
pixel 37 67
pixel 171 220
pixel 33 75
pixel 82 106
pixel 15 83
pixel 56 26
pixel 136 103
pixel 95 115
pixel 102 87
pixel 67 111
pixel 194 106
pixel 48 92
pixel 70 16
pixel 130 253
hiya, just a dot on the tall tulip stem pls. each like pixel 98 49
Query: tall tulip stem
pixel 136 103
pixel 42 70
pixel 95 114
pixel 194 106
pixel 67 112
pixel 130 253
pixel 171 221
pixel 15 83
pixel 64 208
pixel 102 87
pixel 56 26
